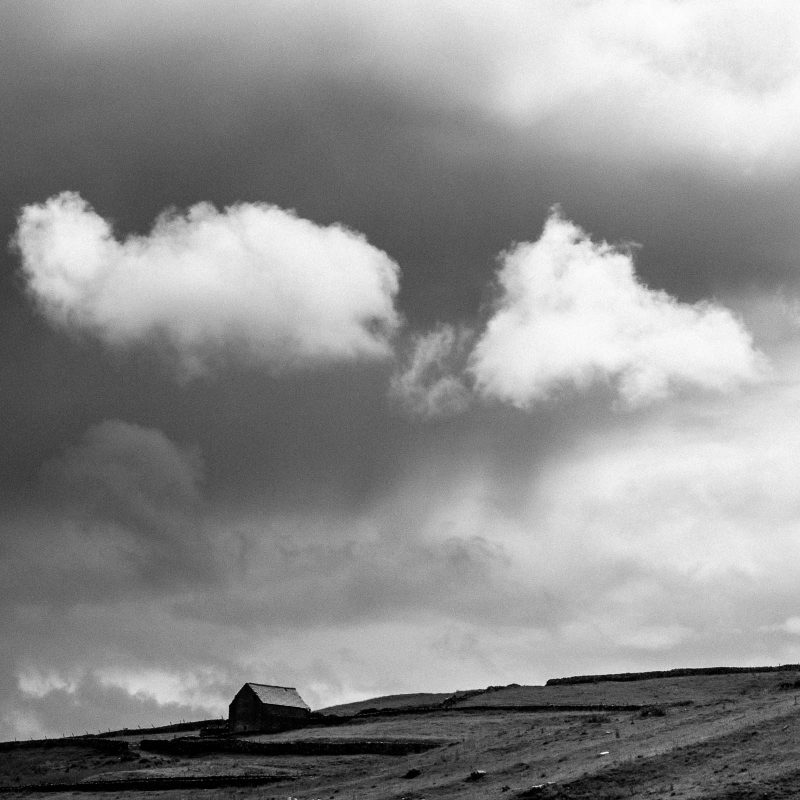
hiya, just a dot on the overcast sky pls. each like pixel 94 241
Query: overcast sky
pixel 374 348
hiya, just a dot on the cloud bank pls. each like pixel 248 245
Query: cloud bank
pixel 708 79
pixel 646 542
pixel 572 313
pixel 278 289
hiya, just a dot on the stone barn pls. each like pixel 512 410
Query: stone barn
pixel 260 707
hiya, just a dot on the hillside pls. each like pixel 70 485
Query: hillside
pixel 720 736
pixel 389 701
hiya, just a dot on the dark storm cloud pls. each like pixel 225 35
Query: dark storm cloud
pixel 115 516
pixel 132 492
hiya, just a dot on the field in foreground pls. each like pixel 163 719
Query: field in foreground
pixel 710 736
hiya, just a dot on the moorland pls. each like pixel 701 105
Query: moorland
pixel 686 734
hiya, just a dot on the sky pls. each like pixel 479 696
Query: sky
pixel 377 348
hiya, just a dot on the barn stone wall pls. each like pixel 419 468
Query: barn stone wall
pixel 248 713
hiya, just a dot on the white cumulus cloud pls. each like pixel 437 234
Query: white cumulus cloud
pixel 280 290
pixel 571 312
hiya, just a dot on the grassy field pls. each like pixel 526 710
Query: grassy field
pixel 727 736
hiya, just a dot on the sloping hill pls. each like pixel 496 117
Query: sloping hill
pixel 389 701
pixel 697 687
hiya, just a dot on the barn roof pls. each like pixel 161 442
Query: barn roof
pixel 278 695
